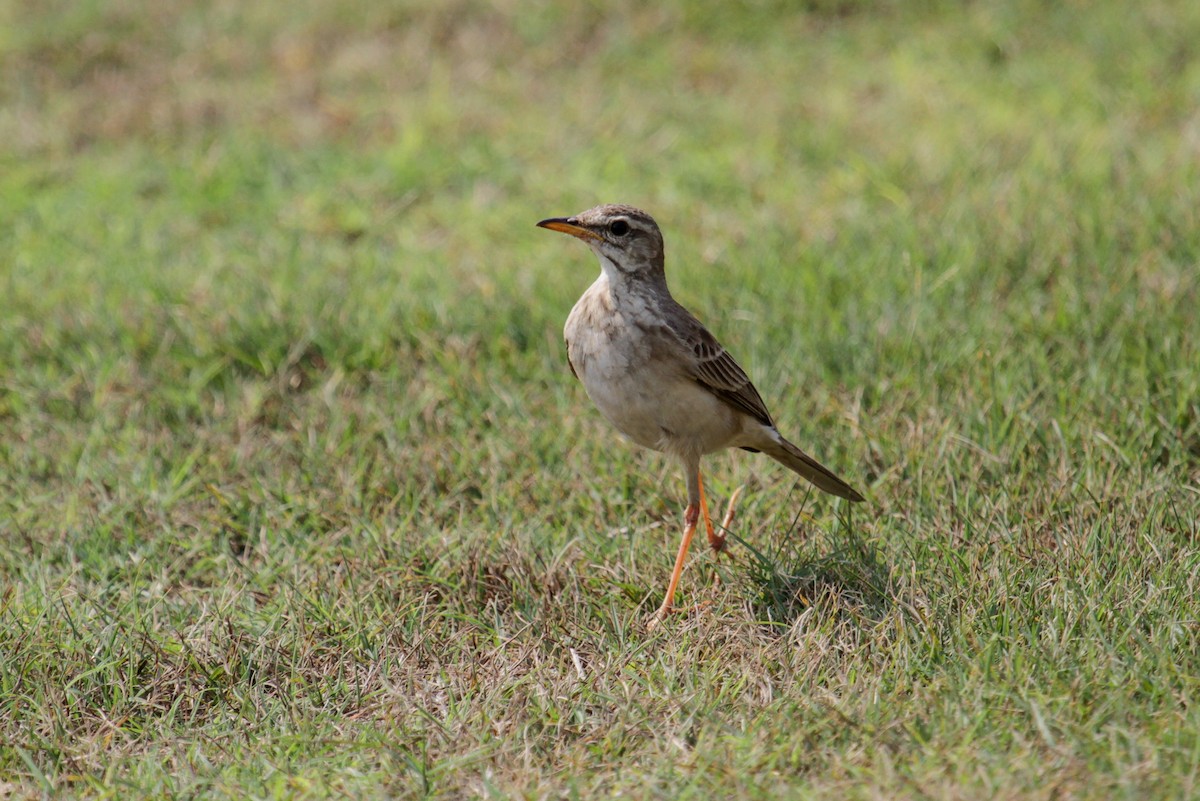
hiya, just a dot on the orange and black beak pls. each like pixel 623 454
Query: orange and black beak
pixel 569 225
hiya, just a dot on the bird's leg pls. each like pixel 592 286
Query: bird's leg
pixel 690 518
pixel 727 521
pixel 716 540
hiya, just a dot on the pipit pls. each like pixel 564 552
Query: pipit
pixel 657 374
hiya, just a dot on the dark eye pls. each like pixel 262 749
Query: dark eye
pixel 618 227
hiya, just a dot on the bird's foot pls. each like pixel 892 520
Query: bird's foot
pixel 660 617
pixel 716 539
pixel 716 575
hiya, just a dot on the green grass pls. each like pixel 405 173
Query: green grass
pixel 299 499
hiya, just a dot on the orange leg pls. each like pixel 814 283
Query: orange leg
pixel 690 519
pixel 727 521
pixel 716 539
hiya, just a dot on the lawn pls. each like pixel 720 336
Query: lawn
pixel 299 499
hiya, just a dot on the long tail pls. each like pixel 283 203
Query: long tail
pixel 822 477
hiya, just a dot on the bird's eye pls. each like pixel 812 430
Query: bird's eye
pixel 618 227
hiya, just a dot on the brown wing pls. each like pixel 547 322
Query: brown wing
pixel 715 369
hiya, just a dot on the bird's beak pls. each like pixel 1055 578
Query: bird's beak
pixel 567 225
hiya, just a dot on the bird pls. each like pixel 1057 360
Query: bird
pixel 658 376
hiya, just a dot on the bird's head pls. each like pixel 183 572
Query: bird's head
pixel 626 240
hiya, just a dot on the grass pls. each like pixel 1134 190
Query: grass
pixel 298 498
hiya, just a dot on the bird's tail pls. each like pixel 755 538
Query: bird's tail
pixel 822 477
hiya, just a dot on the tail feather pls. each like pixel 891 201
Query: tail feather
pixel 822 477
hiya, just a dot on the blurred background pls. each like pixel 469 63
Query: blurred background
pixel 897 207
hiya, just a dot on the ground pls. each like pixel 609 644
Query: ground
pixel 299 499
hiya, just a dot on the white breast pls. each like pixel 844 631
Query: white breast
pixel 641 388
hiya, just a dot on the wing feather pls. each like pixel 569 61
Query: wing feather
pixel 571 364
pixel 715 369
